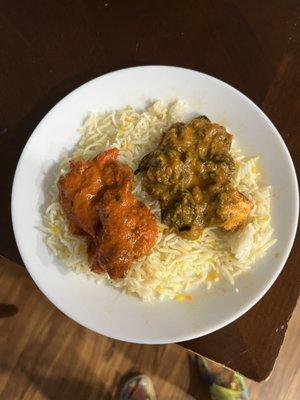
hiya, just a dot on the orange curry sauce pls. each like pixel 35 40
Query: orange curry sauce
pixel 97 200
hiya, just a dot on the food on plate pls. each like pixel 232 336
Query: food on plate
pixel 190 173
pixel 79 189
pixel 96 197
pixel 84 223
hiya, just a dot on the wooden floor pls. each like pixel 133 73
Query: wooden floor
pixel 44 355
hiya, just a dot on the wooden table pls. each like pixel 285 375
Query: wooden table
pixel 49 48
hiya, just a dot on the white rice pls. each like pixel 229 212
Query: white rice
pixel 175 264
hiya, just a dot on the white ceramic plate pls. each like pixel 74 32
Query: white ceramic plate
pixel 101 307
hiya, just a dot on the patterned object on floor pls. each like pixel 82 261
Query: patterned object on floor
pixel 225 384
pixel 139 387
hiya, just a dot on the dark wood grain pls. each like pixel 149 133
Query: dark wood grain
pixel 49 48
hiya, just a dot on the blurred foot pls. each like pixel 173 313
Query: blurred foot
pixel 225 384
pixel 139 387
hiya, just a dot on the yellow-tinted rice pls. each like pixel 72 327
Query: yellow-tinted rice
pixel 175 264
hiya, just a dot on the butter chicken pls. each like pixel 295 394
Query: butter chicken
pixel 97 200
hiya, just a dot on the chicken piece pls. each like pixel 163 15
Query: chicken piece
pixel 128 232
pixel 74 200
pixel 97 200
pixel 78 189
pixel 233 210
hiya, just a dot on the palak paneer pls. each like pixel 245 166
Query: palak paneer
pixel 190 173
